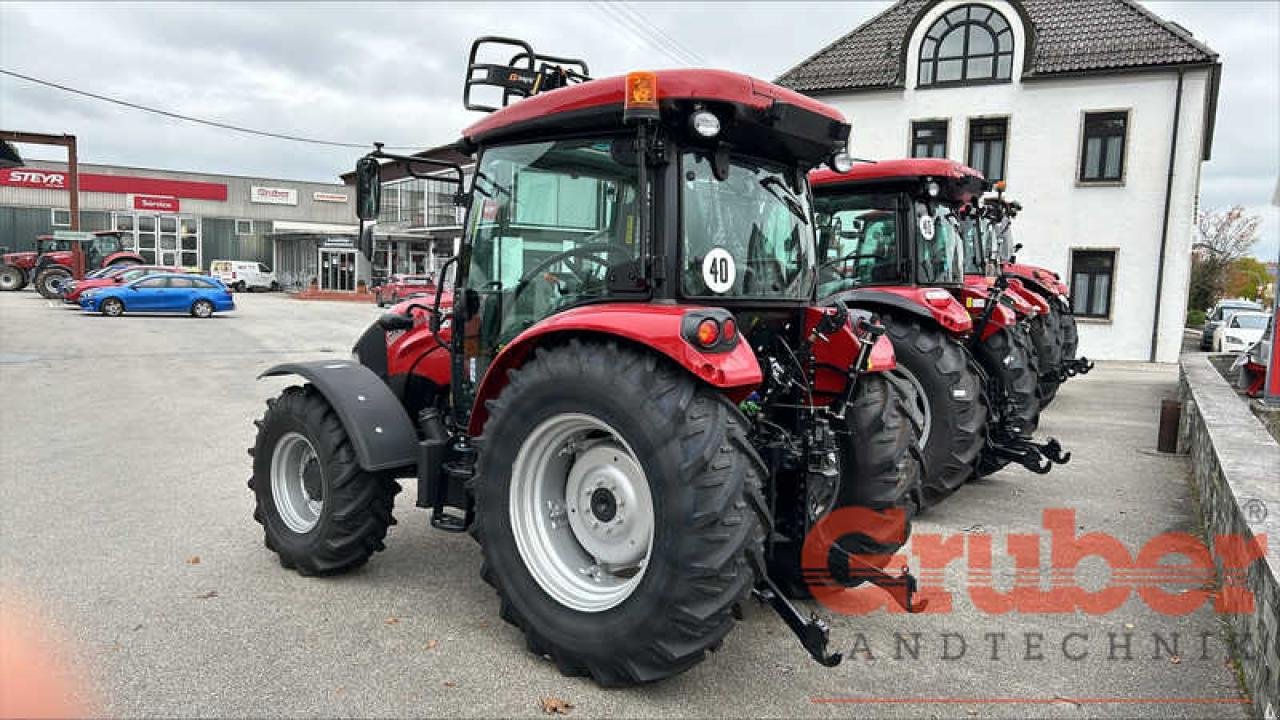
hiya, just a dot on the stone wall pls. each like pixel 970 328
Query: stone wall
pixel 1237 472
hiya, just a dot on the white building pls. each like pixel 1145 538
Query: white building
pixel 1097 113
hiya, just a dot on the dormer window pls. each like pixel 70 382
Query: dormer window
pixel 969 44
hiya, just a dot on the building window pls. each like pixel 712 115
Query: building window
pixel 1092 275
pixel 972 43
pixel 929 139
pixel 244 227
pixel 987 146
pixel 1102 152
pixel 61 218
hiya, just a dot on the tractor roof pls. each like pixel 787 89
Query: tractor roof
pixel 598 105
pixel 959 181
pixel 97 233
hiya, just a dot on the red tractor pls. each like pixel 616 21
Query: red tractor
pixel 893 245
pixel 91 252
pixel 1058 340
pixel 633 402
pixel 16 267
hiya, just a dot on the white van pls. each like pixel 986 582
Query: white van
pixel 241 275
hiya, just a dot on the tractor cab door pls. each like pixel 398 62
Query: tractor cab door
pixel 552 225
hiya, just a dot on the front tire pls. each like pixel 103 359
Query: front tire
pixel 239 286
pixel 1046 340
pixel 48 281
pixel 948 400
pixel 111 307
pixel 320 512
pixel 1010 364
pixel 646 424
pixel 377 298
pixel 202 309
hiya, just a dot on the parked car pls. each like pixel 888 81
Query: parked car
pixel 1219 313
pixel 400 286
pixel 242 275
pixel 116 275
pixel 1240 330
pixel 199 295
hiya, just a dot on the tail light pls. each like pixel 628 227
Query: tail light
pixel 710 330
pixel 708 333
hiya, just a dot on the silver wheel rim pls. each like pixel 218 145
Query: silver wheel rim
pixel 111 307
pixel 203 309
pixel 581 512
pixel 296 505
pixel 921 403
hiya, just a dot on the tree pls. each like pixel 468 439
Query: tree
pixel 1246 277
pixel 1222 238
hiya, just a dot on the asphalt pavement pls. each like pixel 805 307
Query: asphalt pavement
pixel 127 543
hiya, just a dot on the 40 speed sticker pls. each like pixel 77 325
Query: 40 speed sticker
pixel 718 270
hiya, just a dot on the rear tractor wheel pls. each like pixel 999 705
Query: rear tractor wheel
pixel 11 278
pixel 945 398
pixel 611 505
pixel 320 512
pixel 50 280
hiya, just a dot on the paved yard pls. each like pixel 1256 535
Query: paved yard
pixel 124 460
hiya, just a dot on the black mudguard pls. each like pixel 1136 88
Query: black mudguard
pixel 870 297
pixel 381 431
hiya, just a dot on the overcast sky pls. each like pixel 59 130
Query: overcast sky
pixel 393 73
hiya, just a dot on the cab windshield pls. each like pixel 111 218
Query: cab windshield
pixel 859 240
pixel 748 235
pixel 940 251
pixel 976 234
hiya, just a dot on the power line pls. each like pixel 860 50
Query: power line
pixel 655 34
pixel 189 118
pixel 648 37
pixel 695 58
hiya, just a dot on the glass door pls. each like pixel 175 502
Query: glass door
pixel 337 270
pixel 168 240
pixel 147 247
pixel 189 242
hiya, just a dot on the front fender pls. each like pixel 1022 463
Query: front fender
pixel 379 428
pixel 934 304
pixel 654 326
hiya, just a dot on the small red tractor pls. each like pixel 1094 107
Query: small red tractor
pixel 16 267
pixel 84 253
pixel 633 402
pixel 893 245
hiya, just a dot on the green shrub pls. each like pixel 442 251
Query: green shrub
pixel 1195 318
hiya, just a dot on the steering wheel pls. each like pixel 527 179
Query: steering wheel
pixel 585 252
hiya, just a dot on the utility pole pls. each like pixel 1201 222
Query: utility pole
pixel 73 169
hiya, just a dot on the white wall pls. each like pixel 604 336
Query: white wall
pixel 1045 125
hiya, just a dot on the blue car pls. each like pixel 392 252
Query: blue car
pixel 198 295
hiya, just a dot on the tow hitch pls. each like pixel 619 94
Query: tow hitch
pixel 1038 457
pixel 813 632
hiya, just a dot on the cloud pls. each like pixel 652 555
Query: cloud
pixel 360 72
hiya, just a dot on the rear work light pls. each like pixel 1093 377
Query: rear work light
pixel 641 100
pixel 937 297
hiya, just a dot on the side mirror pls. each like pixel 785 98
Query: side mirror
pixel 394 321
pixel 368 188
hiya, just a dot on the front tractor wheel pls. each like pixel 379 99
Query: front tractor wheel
pixel 11 278
pixel 321 513
pixel 49 281
pixel 611 507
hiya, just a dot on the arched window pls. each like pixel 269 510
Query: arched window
pixel 971 43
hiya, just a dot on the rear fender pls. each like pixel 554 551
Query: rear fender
pixel 656 327
pixel 1029 296
pixel 975 297
pixel 379 428
pixel 116 257
pixel 933 304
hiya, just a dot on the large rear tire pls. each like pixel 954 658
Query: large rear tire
pixel 1046 340
pixel 586 412
pixel 11 278
pixel 948 402
pixel 49 280
pixel 320 512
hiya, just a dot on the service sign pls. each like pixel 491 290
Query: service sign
pixel 273 195
pixel 328 197
pixel 29 178
pixel 161 203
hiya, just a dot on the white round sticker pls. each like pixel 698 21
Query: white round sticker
pixel 718 271
pixel 927 228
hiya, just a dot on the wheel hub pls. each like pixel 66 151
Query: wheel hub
pixel 608 515
pixel 297 484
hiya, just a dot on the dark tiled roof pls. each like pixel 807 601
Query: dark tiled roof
pixel 1069 37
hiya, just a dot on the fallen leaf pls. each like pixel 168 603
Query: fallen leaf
pixel 431 644
pixel 193 560
pixel 339 690
pixel 137 627
pixel 207 595
pixel 1128 626
pixel 1175 659
pixel 392 621
pixel 450 683
pixel 556 706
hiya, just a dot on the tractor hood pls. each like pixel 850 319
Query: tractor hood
pixel 19 259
